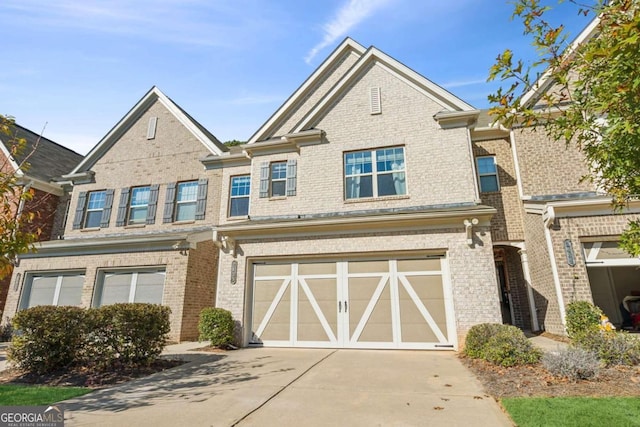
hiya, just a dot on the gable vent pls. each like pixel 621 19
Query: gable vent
pixel 151 130
pixel 375 101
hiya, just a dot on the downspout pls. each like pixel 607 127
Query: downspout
pixel 549 217
pixel 476 186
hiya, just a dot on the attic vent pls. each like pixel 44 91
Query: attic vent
pixel 375 101
pixel 151 130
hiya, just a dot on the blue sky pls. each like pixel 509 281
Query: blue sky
pixel 78 66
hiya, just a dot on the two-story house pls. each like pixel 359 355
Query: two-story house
pixel 139 223
pixel 35 166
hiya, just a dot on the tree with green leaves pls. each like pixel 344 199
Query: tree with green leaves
pixel 588 93
pixel 17 234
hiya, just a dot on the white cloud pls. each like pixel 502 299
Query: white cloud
pixel 348 16
pixel 460 83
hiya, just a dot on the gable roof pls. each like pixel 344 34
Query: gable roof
pixel 46 158
pixel 449 102
pixel 348 46
pixel 546 81
pixel 154 94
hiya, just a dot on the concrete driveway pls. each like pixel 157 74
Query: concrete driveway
pixel 297 387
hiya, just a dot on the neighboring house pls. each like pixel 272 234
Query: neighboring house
pixel 139 225
pixel 42 160
pixel 373 209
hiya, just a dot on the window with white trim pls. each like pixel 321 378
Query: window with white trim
pixel 95 206
pixel 139 205
pixel 278 179
pixel 52 289
pixel 487 174
pixel 186 200
pixel 127 286
pixel 375 173
pixel 239 195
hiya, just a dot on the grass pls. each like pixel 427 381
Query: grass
pixel 574 411
pixel 20 395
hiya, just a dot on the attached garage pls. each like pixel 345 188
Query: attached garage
pixel 353 303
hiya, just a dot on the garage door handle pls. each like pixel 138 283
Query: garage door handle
pixel 339 306
pixel 345 306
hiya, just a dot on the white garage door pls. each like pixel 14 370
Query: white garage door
pixel 398 303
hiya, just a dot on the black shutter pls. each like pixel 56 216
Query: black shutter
pixel 201 204
pixel 106 211
pixel 153 204
pixel 169 202
pixel 264 179
pixel 82 201
pixel 292 170
pixel 122 207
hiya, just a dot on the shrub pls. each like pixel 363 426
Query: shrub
pixel 6 331
pixel 612 347
pixel 217 326
pixel 127 334
pixel 572 363
pixel 477 338
pixel 47 338
pixel 510 347
pixel 583 319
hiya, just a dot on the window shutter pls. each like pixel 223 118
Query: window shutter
pixel 264 179
pixel 201 204
pixel 151 130
pixel 375 100
pixel 152 207
pixel 82 201
pixel 169 202
pixel 106 211
pixel 122 207
pixel 292 170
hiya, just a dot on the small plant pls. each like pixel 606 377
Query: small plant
pixel 217 326
pixel 583 319
pixel 573 363
pixel 510 347
pixel 613 347
pixel 477 338
pixel 6 331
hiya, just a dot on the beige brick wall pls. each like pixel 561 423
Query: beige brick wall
pixel 549 167
pixel 133 161
pixel 472 270
pixel 189 283
pixel 438 162
pixel 507 223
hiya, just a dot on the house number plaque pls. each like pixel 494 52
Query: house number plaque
pixel 568 251
pixel 234 272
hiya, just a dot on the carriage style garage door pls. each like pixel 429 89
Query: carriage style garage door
pixel 397 303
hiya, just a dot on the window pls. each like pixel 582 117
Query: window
pixel 129 286
pixel 139 205
pixel 278 179
pixel 52 289
pixel 487 174
pixel 375 173
pixel 239 195
pixel 95 206
pixel 186 199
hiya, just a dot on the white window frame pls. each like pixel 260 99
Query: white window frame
pixel 282 179
pixel 60 275
pixel 179 203
pixel 480 175
pixel 88 210
pixel 133 283
pixel 130 220
pixel 232 197
pixel 374 173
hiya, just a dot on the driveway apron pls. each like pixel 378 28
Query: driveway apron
pixel 310 387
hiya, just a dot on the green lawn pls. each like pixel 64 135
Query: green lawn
pixel 19 395
pixel 574 411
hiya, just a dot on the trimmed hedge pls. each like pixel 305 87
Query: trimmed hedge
pixel 49 338
pixel 216 325
pixel 583 319
pixel 503 345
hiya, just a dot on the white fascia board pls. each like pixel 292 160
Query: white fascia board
pixel 404 73
pixel 12 162
pixel 48 187
pixel 347 45
pixel 545 80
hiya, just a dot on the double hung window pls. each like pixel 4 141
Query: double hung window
pixel 95 206
pixel 239 195
pixel 186 199
pixel 375 173
pixel 487 174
